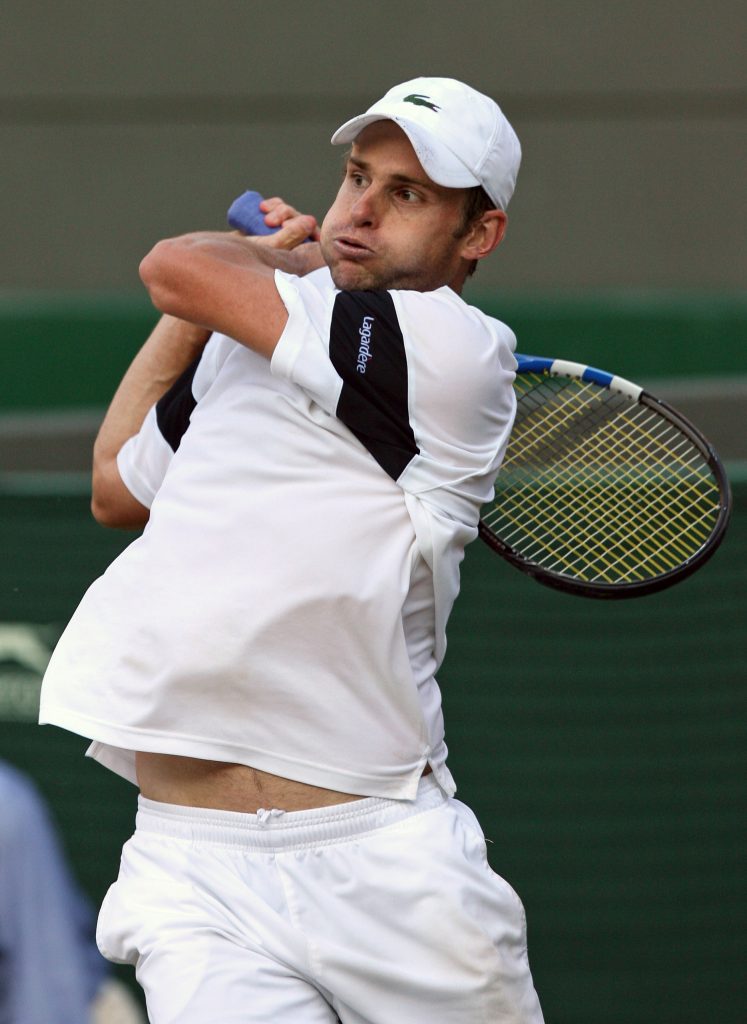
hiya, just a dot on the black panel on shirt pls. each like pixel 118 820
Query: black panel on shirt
pixel 175 407
pixel 367 350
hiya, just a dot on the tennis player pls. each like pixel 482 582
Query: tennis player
pixel 308 437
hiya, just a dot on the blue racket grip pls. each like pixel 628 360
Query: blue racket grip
pixel 245 215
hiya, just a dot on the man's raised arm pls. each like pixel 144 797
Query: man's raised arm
pixel 201 282
pixel 224 282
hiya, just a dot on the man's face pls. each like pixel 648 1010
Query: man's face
pixel 390 225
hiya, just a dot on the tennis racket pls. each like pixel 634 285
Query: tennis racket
pixel 604 491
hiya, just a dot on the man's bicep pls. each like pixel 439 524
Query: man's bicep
pixel 243 304
pixel 206 283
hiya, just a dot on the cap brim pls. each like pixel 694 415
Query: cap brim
pixel 438 161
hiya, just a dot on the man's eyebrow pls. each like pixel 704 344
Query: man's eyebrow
pixel 404 179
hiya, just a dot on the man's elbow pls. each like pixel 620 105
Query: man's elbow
pixel 115 517
pixel 115 507
pixel 103 510
pixel 159 272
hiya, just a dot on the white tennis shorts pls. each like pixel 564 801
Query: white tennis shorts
pixel 370 912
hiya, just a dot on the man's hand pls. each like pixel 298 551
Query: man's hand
pixel 224 281
pixel 294 228
pixel 299 226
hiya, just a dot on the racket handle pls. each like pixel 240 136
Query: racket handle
pixel 245 215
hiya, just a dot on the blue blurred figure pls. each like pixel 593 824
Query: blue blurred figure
pixel 50 969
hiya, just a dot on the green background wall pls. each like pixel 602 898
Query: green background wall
pixel 68 350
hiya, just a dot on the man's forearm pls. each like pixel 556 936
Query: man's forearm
pixel 172 346
pixel 232 249
pixel 201 282
pixel 300 260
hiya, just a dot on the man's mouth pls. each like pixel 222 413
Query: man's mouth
pixel 351 248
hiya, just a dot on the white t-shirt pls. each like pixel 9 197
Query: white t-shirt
pixel 286 604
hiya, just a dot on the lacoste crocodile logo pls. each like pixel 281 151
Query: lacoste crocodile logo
pixel 421 101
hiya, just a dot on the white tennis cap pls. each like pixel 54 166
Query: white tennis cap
pixel 460 136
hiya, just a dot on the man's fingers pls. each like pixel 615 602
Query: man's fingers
pixel 292 232
pixel 278 213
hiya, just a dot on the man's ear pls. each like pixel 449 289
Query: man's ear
pixel 484 235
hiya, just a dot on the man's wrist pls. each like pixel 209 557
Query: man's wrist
pixel 300 261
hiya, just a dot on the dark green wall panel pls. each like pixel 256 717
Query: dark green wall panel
pixel 602 745
pixel 69 351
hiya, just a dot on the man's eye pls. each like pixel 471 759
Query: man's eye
pixel 408 196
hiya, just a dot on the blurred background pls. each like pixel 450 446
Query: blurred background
pixel 602 745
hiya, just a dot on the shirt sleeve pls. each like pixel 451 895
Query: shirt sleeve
pixel 425 382
pixel 462 402
pixel 144 459
pixel 462 408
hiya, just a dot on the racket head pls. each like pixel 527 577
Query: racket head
pixel 605 490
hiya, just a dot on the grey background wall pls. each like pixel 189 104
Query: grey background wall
pixel 123 122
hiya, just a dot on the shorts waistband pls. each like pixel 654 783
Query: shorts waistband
pixel 275 829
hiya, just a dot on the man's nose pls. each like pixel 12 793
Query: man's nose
pixel 364 210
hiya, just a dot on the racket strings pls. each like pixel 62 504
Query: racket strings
pixel 671 533
pixel 614 529
pixel 615 524
pixel 581 554
pixel 597 486
pixel 662 546
pixel 644 501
